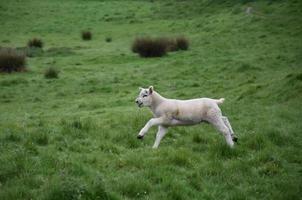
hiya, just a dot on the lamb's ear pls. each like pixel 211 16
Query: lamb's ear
pixel 150 89
pixel 140 88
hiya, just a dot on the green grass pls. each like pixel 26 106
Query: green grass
pixel 74 137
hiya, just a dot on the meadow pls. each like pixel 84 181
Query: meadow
pixel 74 137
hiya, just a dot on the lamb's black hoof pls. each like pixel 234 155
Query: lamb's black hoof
pixel 140 137
pixel 235 139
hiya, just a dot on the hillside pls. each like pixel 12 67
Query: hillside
pixel 75 137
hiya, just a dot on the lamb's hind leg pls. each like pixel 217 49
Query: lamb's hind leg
pixel 215 118
pixel 221 127
pixel 227 123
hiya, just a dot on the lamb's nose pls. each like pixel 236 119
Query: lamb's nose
pixel 136 101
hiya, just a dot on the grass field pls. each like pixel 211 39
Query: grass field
pixel 74 137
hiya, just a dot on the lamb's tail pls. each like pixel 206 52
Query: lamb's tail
pixel 219 101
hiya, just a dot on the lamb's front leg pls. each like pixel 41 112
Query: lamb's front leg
pixel 149 124
pixel 160 134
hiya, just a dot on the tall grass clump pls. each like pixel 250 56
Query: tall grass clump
pixel 51 72
pixel 157 47
pixel 182 43
pixel 149 47
pixel 170 44
pixel 86 35
pixel 35 43
pixel 12 60
pixel 108 39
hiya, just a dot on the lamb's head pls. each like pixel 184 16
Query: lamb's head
pixel 145 97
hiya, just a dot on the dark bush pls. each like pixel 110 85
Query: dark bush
pixel 108 39
pixel 12 60
pixel 182 43
pixel 157 47
pixel 35 42
pixel 149 47
pixel 86 35
pixel 170 44
pixel 51 72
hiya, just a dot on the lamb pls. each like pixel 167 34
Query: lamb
pixel 173 112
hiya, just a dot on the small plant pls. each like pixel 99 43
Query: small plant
pixel 12 60
pixel 182 43
pixel 86 35
pixel 149 47
pixel 108 39
pixel 35 43
pixel 51 72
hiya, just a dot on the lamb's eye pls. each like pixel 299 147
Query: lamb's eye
pixel 145 95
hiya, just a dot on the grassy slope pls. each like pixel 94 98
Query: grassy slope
pixel 75 137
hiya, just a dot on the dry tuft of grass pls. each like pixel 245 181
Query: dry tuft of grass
pixel 157 47
pixel 35 43
pixel 12 60
pixel 182 43
pixel 108 39
pixel 51 72
pixel 149 47
pixel 86 35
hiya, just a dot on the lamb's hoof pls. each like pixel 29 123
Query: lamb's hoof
pixel 140 137
pixel 235 139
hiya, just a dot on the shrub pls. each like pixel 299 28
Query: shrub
pixel 108 39
pixel 11 60
pixel 182 43
pixel 35 42
pixel 86 35
pixel 170 44
pixel 51 72
pixel 157 47
pixel 149 47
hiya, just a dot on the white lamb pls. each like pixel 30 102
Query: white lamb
pixel 172 112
